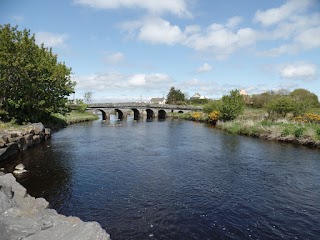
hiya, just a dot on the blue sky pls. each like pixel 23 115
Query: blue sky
pixel 128 50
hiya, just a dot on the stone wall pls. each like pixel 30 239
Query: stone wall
pixel 28 218
pixel 13 141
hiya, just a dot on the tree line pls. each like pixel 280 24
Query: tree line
pixel 33 83
pixel 277 103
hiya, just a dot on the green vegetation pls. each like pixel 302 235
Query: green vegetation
pixel 33 84
pixel 285 116
pixel 175 96
pixel 232 106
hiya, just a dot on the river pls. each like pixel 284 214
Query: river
pixel 176 179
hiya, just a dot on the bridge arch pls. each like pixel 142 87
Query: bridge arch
pixel 104 114
pixel 119 113
pixel 180 111
pixel 136 114
pixel 150 114
pixel 162 114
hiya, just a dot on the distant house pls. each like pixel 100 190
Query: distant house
pixel 197 96
pixel 158 100
pixel 243 92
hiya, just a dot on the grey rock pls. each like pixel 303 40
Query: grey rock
pixel 38 128
pixel 11 148
pixel 2 143
pixel 26 217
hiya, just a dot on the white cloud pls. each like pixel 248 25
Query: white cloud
pixel 177 7
pixel 300 71
pixel 234 22
pixel 310 38
pixel 276 15
pixel 217 39
pixel 114 58
pixel 115 81
pixel 160 31
pixel 204 68
pixel 51 39
pixel 221 40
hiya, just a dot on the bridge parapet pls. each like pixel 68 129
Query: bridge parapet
pixel 144 105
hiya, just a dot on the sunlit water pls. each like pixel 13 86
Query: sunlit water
pixel 176 180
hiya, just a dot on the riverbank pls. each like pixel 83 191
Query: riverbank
pixel 302 130
pixel 15 138
pixel 20 138
pixel 29 218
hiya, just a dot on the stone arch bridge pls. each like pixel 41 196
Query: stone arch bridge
pixel 139 110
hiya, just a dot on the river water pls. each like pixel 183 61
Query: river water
pixel 176 179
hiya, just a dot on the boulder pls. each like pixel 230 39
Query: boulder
pixel 2 143
pixel 38 128
pixel 11 148
pixel 28 218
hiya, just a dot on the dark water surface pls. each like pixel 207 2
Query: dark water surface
pixel 177 180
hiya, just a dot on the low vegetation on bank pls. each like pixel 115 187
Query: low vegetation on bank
pixel 288 117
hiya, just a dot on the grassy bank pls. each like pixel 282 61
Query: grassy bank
pixel 303 130
pixel 56 121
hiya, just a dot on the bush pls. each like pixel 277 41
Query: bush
pixel 232 106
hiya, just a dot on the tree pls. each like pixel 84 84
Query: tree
pixel 88 96
pixel 306 97
pixel 175 96
pixel 33 84
pixel 281 106
pixel 232 105
pixel 212 105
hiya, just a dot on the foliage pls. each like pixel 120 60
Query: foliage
pixel 304 96
pixel 260 100
pixel 280 106
pixel 175 96
pixel 33 84
pixel 214 116
pixel 213 105
pixel 198 101
pixel 308 118
pixel 232 105
pixel 88 96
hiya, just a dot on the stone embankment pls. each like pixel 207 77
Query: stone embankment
pixel 28 218
pixel 13 141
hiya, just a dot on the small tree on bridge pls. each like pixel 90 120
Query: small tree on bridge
pixel 175 96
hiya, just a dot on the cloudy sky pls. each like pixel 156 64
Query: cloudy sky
pixel 128 50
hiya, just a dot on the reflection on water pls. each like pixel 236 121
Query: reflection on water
pixel 176 180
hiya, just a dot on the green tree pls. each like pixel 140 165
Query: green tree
pixel 280 106
pixel 212 105
pixel 308 98
pixel 175 96
pixel 33 84
pixel 232 105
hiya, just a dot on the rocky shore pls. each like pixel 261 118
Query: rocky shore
pixel 13 141
pixel 28 218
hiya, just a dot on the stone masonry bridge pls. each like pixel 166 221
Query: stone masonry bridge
pixel 139 110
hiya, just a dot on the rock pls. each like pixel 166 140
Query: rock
pixel 2 143
pixel 11 148
pixel 26 217
pixel 38 128
pixel 18 171
pixel 36 139
pixel 20 167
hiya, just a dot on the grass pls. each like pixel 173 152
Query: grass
pixel 55 121
pixel 255 123
pixel 282 130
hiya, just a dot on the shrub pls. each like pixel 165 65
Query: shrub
pixel 298 132
pixel 232 106
pixel 214 116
